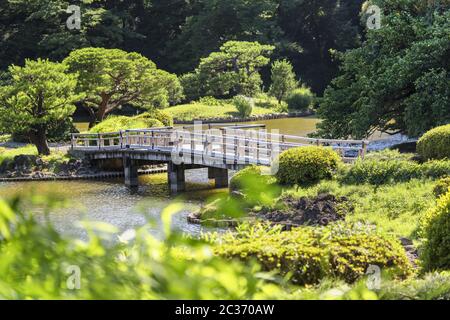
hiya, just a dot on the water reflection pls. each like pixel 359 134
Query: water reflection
pixel 112 202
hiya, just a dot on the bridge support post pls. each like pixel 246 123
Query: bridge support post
pixel 220 176
pixel 176 177
pixel 131 172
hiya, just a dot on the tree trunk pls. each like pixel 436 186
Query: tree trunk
pixel 39 138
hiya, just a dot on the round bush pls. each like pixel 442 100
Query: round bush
pixel 300 99
pixel 310 254
pixel 244 106
pixel 165 118
pixel 435 144
pixel 306 165
pixel 442 187
pixel 436 226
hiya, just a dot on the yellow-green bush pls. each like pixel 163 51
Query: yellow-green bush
pixel 117 123
pixel 164 117
pixel 309 254
pixel 253 173
pixel 442 187
pixel 435 144
pixel 436 227
pixel 305 165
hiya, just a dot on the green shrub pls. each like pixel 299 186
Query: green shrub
pixel 442 187
pixel 211 101
pixel 309 254
pixel 244 106
pixel 263 100
pixel 305 165
pixel 254 173
pixel 377 171
pixel 435 144
pixel 117 123
pixel 165 118
pixel 300 99
pixel 435 169
pixel 436 227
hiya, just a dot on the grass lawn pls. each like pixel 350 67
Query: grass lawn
pixel 10 153
pixel 194 111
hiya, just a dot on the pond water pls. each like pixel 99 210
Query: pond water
pixel 113 203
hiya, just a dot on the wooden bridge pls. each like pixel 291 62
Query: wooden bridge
pixel 219 150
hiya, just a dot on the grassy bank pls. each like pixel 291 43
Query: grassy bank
pixel 10 153
pixel 198 111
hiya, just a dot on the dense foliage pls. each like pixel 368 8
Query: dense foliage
pixel 300 99
pixel 244 106
pixel 305 165
pixel 442 187
pixel 309 254
pixel 436 226
pixel 435 144
pixel 398 81
pixel 40 97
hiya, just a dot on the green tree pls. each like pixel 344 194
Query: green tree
pixel 283 79
pixel 111 78
pixel 41 95
pixel 399 80
pixel 233 70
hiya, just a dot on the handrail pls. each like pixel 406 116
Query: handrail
pixel 158 138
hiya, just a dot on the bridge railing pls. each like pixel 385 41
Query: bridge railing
pixel 233 145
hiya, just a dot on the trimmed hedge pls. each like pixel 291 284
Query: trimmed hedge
pixel 442 187
pixel 435 144
pixel 310 254
pixel 306 165
pixel 436 227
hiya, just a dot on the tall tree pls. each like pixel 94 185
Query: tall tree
pixel 399 80
pixel 111 78
pixel 41 95
pixel 283 79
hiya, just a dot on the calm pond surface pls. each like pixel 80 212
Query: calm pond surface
pixel 113 203
pixel 110 201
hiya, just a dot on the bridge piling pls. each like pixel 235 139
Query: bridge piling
pixel 176 177
pixel 220 176
pixel 130 168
